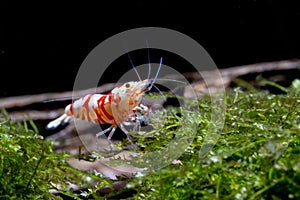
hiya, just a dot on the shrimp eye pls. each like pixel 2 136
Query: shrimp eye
pixel 127 85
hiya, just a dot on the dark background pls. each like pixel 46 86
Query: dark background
pixel 43 45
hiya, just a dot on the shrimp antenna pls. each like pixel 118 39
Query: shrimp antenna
pixel 149 72
pixel 160 92
pixel 149 63
pixel 134 67
pixel 156 75
pixel 172 80
pixel 60 99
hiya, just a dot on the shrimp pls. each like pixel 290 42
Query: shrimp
pixel 120 106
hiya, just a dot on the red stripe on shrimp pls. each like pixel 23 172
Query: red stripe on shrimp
pixel 101 102
pixel 71 109
pixel 99 119
pixel 85 106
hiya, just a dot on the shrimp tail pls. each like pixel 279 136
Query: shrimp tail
pixel 59 121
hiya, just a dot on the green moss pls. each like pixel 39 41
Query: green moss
pixel 29 167
pixel 255 157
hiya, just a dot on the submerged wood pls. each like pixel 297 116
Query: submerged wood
pixel 201 82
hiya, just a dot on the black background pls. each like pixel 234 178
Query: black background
pixel 43 45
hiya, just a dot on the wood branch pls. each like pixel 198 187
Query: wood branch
pixel 233 72
pixel 261 67
pixel 19 101
pixel 34 115
pixel 214 81
pixel 201 82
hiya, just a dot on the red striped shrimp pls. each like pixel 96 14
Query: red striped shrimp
pixel 120 105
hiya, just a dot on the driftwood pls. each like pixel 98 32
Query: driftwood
pixel 210 80
pixel 200 84
pixel 20 101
